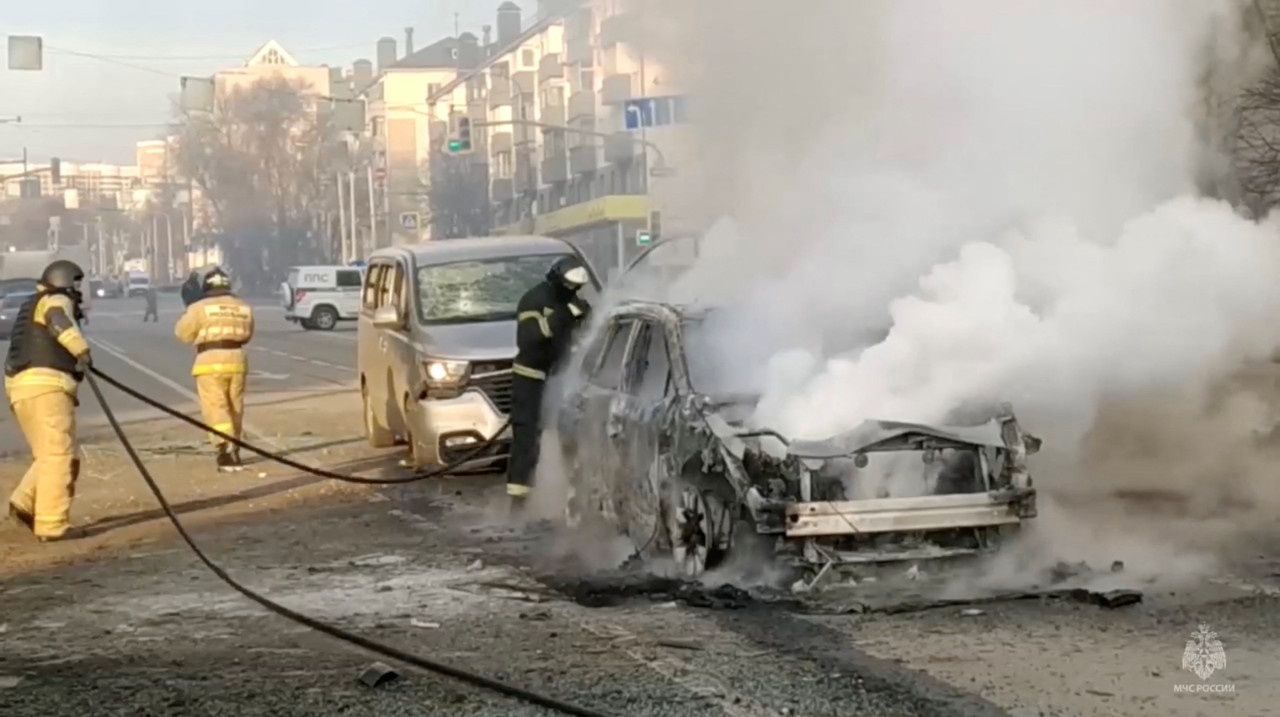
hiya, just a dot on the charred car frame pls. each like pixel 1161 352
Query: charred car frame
pixel 678 470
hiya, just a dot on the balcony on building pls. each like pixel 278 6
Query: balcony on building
pixel 437 130
pixel 555 168
pixel 525 177
pixel 525 134
pixel 550 68
pixel 578 24
pixel 524 83
pixel 618 28
pixel 502 189
pixel 499 92
pixel 553 115
pixel 582 105
pixel 578 51
pixel 500 142
pixel 583 158
pixel 620 147
pixel 616 89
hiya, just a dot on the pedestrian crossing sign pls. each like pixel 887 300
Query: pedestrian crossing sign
pixel 409 221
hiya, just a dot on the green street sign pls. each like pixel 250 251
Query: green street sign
pixel 644 238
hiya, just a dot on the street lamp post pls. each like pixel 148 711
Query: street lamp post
pixel 155 239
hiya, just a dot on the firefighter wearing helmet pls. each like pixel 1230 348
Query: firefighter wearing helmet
pixel 47 360
pixel 219 324
pixel 547 317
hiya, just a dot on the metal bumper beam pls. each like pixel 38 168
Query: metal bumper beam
pixel 894 515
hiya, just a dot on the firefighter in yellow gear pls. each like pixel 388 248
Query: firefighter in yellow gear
pixel 219 324
pixel 47 360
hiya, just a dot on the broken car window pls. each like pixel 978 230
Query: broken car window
pixel 652 369
pixel 610 373
pixel 473 291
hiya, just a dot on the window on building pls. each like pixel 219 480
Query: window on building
pixel 553 97
pixel 679 110
pixel 502 164
pixel 527 58
pixel 500 70
pixel 432 89
pixel 587 80
pixel 661 112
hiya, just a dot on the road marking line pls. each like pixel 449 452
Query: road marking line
pixel 249 429
pixel 303 359
pixel 345 335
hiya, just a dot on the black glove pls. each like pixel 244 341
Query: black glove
pixel 84 362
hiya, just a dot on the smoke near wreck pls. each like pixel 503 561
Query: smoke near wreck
pixel 937 203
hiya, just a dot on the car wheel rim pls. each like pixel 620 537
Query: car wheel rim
pixel 690 527
pixel 325 321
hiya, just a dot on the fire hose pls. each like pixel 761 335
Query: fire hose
pixel 335 632
pixel 468 457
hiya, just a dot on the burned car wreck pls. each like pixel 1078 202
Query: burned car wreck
pixel 679 472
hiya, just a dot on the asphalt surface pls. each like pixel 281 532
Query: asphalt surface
pixel 284 359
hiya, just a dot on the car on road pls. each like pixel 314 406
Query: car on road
pixel 658 443
pixel 318 297
pixel 9 306
pixel 437 337
pixel 104 288
pixel 17 286
pixel 137 285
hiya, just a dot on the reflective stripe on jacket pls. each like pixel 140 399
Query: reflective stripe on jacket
pixel 217 319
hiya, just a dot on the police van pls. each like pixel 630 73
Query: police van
pixel 318 297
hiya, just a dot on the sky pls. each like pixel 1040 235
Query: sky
pixel 90 109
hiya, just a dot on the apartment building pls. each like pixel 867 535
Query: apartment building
pixel 89 183
pixel 398 127
pixel 268 62
pixel 568 120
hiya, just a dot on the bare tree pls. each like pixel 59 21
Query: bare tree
pixel 263 158
pixel 459 197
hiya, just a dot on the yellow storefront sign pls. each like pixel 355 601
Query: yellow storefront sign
pixel 613 208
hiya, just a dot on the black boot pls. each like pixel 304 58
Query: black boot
pixel 22 516
pixel 226 461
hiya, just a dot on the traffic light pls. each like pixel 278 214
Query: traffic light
pixel 655 225
pixel 461 141
pixel 55 170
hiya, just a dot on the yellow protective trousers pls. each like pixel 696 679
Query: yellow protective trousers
pixel 222 403
pixel 48 422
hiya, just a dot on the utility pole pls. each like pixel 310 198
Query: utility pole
pixel 342 221
pixel 351 186
pixel 373 211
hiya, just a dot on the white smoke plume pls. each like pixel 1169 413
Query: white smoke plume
pixel 1041 164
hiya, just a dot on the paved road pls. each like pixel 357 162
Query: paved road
pixel 284 359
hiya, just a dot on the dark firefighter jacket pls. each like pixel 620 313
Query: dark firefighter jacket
pixel 44 348
pixel 546 318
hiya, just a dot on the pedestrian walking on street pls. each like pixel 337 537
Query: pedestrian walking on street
pixel 547 316
pixel 219 324
pixel 151 314
pixel 47 360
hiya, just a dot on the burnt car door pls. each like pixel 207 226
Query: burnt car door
pixel 589 418
pixel 640 411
